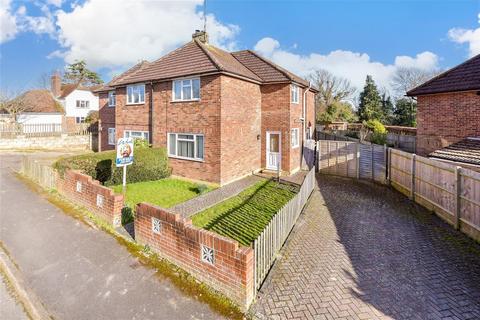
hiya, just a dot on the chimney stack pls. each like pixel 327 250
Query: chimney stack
pixel 201 36
pixel 56 83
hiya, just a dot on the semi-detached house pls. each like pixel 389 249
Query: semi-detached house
pixel 220 115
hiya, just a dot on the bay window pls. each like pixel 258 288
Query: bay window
pixel 186 89
pixel 136 94
pixel 186 146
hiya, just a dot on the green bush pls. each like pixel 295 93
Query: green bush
pixel 148 164
pixel 201 188
pixel 127 215
pixel 379 135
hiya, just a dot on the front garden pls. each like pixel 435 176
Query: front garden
pixel 246 215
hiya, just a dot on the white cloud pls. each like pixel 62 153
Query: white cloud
pixel 353 66
pixel 8 23
pixel 467 36
pixel 120 33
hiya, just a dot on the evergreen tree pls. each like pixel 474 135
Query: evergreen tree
pixel 370 107
pixel 78 72
pixel 405 112
pixel 387 109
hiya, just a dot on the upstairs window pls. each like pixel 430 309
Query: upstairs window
pixel 186 89
pixel 186 146
pixel 112 99
pixel 83 104
pixel 136 94
pixel 294 93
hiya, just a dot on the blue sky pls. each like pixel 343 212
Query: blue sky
pixel 348 38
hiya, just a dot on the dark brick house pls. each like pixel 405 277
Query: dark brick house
pixel 221 115
pixel 448 114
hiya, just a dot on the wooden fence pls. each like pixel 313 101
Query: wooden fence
pixel 352 159
pixel 41 173
pixel 271 240
pixel 12 130
pixel 452 192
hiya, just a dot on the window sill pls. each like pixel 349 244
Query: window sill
pixel 180 101
pixel 295 147
pixel 135 104
pixel 111 106
pixel 188 159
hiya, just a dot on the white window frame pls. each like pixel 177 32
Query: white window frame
pixel 129 102
pixel 79 120
pixel 82 104
pixel 112 95
pixel 294 93
pixel 145 134
pixel 181 89
pixel 295 144
pixel 111 131
pixel 195 151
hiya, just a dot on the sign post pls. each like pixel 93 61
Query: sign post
pixel 124 157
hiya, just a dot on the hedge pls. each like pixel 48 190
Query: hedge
pixel 149 164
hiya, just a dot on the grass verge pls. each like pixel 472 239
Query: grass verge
pixel 164 269
pixel 165 192
pixel 244 216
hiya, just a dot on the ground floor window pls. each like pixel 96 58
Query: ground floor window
pixel 111 136
pixel 79 119
pixel 295 139
pixel 186 146
pixel 136 134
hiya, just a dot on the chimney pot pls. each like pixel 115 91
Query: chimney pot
pixel 201 36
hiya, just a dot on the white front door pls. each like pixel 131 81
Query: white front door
pixel 273 150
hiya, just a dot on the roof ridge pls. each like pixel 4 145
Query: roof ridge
pixel 217 64
pixel 408 93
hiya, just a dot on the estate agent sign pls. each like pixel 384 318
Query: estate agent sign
pixel 124 157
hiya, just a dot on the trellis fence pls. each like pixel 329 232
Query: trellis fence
pixel 352 159
pixel 13 130
pixel 452 192
pixel 271 240
pixel 41 173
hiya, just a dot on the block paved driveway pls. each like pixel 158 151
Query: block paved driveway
pixel 363 251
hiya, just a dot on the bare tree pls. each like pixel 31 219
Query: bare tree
pixel 44 81
pixel 407 78
pixel 331 88
pixel 12 103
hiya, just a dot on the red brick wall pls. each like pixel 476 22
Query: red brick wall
pixel 106 115
pixel 443 119
pixel 180 242
pixel 110 210
pixel 240 128
pixel 131 117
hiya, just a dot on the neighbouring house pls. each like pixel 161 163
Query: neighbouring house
pixel 220 115
pixel 40 108
pixel 448 114
pixel 77 100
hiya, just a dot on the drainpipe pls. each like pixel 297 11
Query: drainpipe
pixel 151 114
pixel 304 120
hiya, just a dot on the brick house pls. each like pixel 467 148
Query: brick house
pixel 221 115
pixel 448 114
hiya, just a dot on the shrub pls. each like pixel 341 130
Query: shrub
pixel 201 188
pixel 379 135
pixel 149 164
pixel 127 215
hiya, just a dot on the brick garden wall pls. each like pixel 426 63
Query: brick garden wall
pixel 92 195
pixel 177 240
pixel 443 119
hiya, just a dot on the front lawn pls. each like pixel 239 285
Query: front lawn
pixel 165 192
pixel 244 216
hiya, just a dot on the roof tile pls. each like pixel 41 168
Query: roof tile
pixel 467 151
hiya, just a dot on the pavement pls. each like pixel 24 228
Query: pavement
pixel 79 272
pixel 10 307
pixel 364 251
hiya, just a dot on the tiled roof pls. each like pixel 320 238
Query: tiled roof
pixel 196 57
pixel 267 70
pixel 42 101
pixel 463 77
pixel 130 72
pixel 467 151
pixel 68 88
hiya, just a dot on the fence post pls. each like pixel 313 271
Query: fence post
pixel 458 193
pixel 385 159
pixel 357 160
pixel 389 164
pixel 412 194
pixel 319 154
pixel 373 161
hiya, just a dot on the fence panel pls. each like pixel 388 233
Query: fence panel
pixel 469 199
pixel 401 170
pixel 271 240
pixel 43 174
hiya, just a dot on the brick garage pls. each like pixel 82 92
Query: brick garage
pixel 231 270
pixel 443 119
pixel 87 192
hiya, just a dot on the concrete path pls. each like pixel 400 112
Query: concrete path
pixel 79 272
pixel 363 251
pixel 10 307
pixel 190 207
